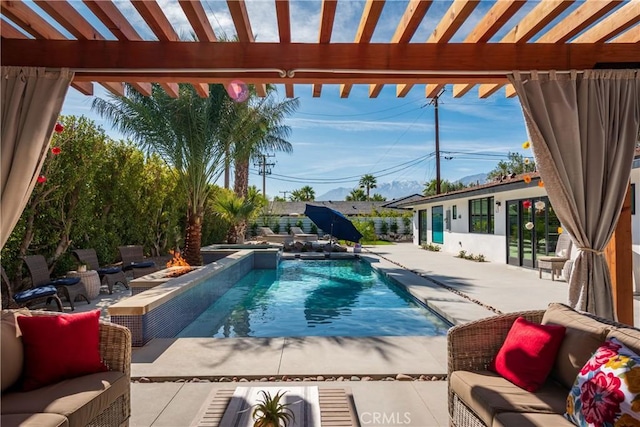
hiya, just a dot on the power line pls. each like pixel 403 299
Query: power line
pixel 360 114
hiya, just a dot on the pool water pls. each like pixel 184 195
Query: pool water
pixel 315 298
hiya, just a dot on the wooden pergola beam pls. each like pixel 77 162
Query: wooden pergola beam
pixel 113 19
pixel 451 22
pixel 67 16
pixel 194 11
pixel 156 20
pixel 583 16
pixel 370 17
pixel 150 58
pixel 411 19
pixel 28 20
pixel 240 17
pixel 612 25
pixel 283 16
pixel 327 18
pixel 541 15
pixel 488 26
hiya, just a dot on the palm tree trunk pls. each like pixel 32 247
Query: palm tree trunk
pixel 227 168
pixel 241 178
pixel 193 237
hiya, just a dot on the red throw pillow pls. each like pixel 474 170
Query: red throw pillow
pixel 60 347
pixel 528 353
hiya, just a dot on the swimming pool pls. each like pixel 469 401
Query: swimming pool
pixel 315 298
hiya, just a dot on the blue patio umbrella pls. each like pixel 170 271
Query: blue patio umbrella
pixel 334 222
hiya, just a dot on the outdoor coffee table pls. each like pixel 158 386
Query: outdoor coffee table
pixel 315 406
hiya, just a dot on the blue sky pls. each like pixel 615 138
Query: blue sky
pixel 335 141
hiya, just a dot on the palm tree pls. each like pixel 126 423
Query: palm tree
pixel 357 195
pixel 304 194
pixel 368 182
pixel 237 211
pixel 378 198
pixel 258 128
pixel 445 187
pixel 186 133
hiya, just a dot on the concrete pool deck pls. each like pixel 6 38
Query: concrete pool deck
pixel 502 287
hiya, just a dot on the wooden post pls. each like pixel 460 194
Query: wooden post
pixel 618 254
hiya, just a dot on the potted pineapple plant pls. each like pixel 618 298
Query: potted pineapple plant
pixel 270 412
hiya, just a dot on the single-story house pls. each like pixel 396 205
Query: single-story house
pixel 507 221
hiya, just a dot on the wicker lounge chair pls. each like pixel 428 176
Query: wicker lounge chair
pixel 30 297
pixel 556 263
pixel 108 275
pixel 267 234
pixel 300 235
pixel 70 287
pixel 133 260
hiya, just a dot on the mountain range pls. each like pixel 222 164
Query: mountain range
pixel 395 189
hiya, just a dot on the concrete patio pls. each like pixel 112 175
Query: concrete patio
pixel 193 367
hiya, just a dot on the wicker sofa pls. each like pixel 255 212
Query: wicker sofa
pixel 479 397
pixel 100 399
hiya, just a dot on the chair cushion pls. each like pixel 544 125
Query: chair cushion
pixel 528 353
pixel 11 348
pixel 34 420
pixel 59 347
pixel 33 293
pixel 144 264
pixel 521 419
pixel 489 394
pixel 79 399
pixel 65 281
pixel 582 338
pixel 109 270
pixel 607 390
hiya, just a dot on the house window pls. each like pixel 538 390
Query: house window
pixel 481 215
pixel 455 211
pixel 633 199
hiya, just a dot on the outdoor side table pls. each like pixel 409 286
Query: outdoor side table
pixel 90 280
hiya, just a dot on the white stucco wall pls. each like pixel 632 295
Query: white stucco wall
pixel 492 246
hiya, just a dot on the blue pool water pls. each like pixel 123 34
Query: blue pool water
pixel 315 298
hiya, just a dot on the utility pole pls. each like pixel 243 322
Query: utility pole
pixel 285 194
pixel 264 170
pixel 434 101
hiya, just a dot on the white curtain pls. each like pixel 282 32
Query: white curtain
pixel 31 102
pixel 583 128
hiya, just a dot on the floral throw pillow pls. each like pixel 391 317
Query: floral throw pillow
pixel 606 392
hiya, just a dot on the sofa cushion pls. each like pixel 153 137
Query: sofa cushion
pixel 11 348
pixel 79 399
pixel 528 353
pixel 607 389
pixel 34 420
pixel 627 336
pixel 59 347
pixel 490 394
pixel 582 338
pixel 521 419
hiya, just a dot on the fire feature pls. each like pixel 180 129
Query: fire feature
pixel 178 265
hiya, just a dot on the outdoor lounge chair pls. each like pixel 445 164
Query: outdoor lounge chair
pixel 109 275
pixel 300 235
pixel 133 260
pixel 70 287
pixel 265 233
pixel 556 263
pixel 30 297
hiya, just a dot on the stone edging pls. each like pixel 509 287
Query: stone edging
pixel 289 378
